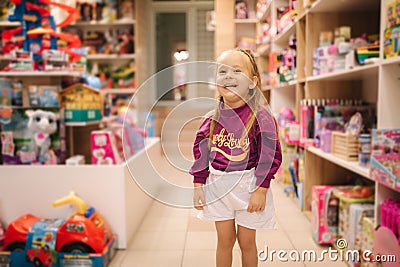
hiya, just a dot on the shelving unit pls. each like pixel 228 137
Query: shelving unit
pixel 375 83
pixel 40 185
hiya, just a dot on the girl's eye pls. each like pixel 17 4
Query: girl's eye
pixel 237 71
pixel 222 72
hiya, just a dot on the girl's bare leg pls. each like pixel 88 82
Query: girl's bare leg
pixel 247 242
pixel 226 240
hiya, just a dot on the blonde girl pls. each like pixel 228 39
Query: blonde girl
pixel 237 153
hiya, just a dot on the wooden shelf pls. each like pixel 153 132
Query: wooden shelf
pixel 82 123
pixel 282 39
pixel 356 73
pixel 343 6
pixel 389 61
pixel 263 50
pixel 118 91
pixel 110 56
pixel 7 23
pixel 350 165
pixel 40 73
pixel 267 13
pixel 116 23
pixel 281 86
pixel 245 21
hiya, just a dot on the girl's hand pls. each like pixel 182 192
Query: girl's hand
pixel 198 196
pixel 257 200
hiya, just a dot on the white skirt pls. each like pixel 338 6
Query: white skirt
pixel 228 195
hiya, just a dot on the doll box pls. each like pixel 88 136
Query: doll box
pixel 385 157
pixel 345 204
pixel 324 214
pixel 367 238
pixel 358 212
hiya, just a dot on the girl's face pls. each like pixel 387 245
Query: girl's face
pixel 234 78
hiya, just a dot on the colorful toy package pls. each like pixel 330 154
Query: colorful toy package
pixel 367 238
pixel 34 136
pixel 385 157
pixel 324 212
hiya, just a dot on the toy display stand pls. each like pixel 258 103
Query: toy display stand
pixel 110 188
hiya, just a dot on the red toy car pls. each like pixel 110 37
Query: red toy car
pixel 84 232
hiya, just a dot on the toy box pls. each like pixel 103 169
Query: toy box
pixel 385 157
pixel 104 148
pixel 81 103
pixel 21 61
pixel 5 92
pixel 348 196
pixel 324 212
pixel 35 145
pixel 54 60
pixel 43 96
pixel 357 212
pixel 367 238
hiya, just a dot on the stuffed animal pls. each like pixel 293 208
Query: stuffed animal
pixel 41 124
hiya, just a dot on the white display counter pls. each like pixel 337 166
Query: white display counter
pixel 110 189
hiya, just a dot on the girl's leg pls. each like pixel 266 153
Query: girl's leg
pixel 226 240
pixel 247 242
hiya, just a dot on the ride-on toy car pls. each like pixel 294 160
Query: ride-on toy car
pixel 85 231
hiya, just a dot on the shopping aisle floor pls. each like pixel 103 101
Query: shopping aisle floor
pixel 174 237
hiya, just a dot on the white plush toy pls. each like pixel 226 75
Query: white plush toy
pixel 41 124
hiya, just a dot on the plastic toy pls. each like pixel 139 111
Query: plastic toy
pixel 38 30
pixel 20 145
pixel 84 232
pixel 81 103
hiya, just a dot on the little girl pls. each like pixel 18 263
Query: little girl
pixel 237 153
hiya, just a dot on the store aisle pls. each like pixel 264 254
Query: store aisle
pixel 173 237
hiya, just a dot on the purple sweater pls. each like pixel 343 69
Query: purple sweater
pixel 229 152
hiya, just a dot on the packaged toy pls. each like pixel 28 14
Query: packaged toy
pixel 324 212
pixel 104 148
pixel 367 239
pixel 385 157
pixel 5 92
pixel 358 212
pixel 349 195
pixel 34 136
pixel 241 10
pixel 43 96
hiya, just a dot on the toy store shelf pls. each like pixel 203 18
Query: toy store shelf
pixel 267 12
pixel 263 50
pixel 40 73
pixel 343 6
pixel 245 21
pixel 110 56
pixel 350 165
pixel 281 86
pixel 389 61
pixel 43 184
pixel 81 124
pixel 121 91
pixel 116 23
pixel 9 23
pixel 282 39
pixel 357 73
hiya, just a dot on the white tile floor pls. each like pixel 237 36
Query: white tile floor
pixel 173 237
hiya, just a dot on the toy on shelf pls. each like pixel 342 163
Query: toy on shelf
pixel 41 124
pixel 54 242
pixel 241 10
pixel 38 30
pixel 81 102
pixel 34 136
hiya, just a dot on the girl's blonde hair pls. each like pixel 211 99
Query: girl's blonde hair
pixel 256 98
